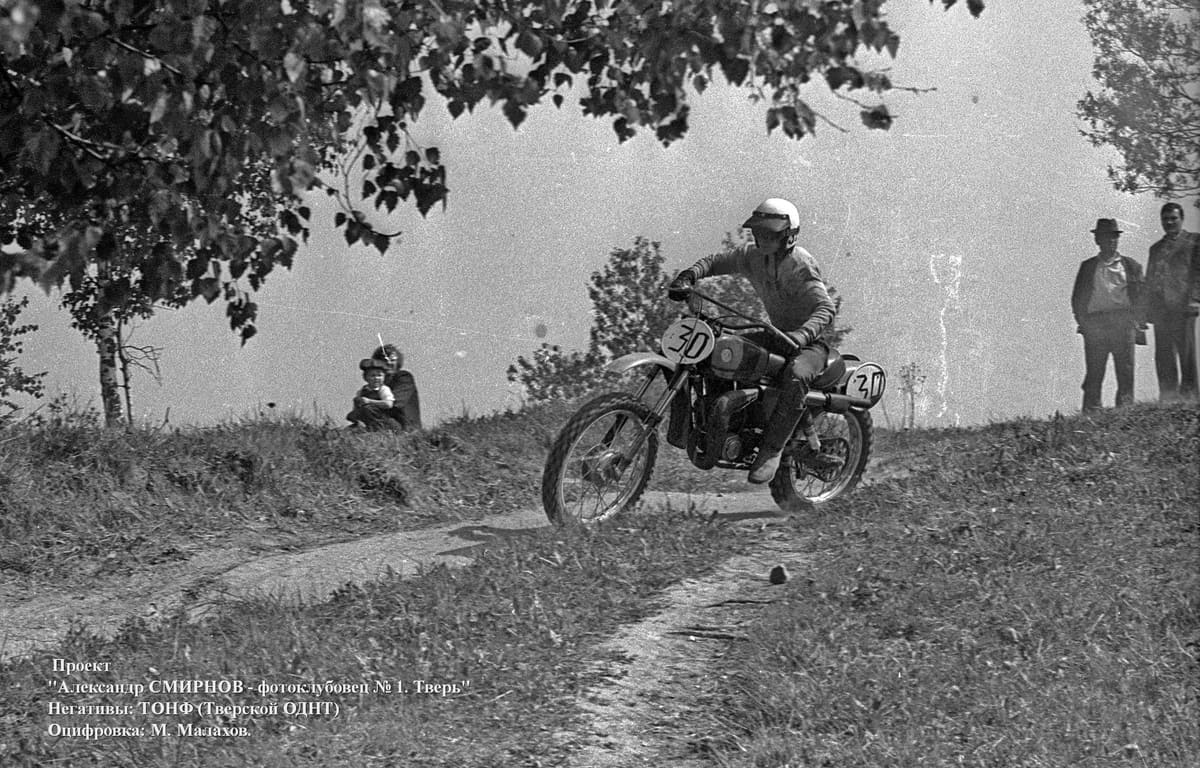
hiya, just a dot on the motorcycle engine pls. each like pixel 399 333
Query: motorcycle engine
pixel 728 425
pixel 732 449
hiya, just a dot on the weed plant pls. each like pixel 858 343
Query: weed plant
pixel 1030 598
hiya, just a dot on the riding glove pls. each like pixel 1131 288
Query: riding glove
pixel 681 287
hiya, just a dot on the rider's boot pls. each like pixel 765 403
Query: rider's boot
pixel 787 415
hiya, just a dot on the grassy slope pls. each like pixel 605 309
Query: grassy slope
pixel 1028 598
pixel 78 502
pixel 1031 598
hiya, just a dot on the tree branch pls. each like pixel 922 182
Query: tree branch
pixel 122 44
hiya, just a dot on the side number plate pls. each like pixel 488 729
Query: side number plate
pixel 868 382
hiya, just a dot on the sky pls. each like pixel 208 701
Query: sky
pixel 953 239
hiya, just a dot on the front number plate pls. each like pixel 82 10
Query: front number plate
pixel 689 340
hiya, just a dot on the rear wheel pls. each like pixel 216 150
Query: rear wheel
pixel 589 473
pixel 808 478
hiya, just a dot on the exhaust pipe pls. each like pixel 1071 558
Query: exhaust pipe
pixel 834 402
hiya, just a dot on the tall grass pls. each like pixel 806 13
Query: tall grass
pixel 78 499
pixel 73 493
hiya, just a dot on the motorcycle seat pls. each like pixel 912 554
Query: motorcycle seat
pixel 835 368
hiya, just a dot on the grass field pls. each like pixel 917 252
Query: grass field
pixel 1028 596
pixel 1031 599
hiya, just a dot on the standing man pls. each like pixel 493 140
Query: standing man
pixel 1171 295
pixel 1105 301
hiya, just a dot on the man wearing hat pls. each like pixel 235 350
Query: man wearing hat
pixel 1105 302
pixel 372 402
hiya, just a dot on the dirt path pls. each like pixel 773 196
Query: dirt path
pixel 644 713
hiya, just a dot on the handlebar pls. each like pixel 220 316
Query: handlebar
pixel 695 309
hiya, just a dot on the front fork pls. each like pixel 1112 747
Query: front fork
pixel 677 381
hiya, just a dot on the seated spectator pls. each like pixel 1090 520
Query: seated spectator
pixel 406 410
pixel 374 400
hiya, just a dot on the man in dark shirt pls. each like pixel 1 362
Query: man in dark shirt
pixel 1169 301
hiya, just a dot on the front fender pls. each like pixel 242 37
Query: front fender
pixel 626 363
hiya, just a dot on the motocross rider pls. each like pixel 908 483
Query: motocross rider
pixel 788 281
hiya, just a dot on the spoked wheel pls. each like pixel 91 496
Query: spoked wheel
pixel 807 478
pixel 589 473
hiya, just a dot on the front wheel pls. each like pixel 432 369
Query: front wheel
pixel 807 479
pixel 600 462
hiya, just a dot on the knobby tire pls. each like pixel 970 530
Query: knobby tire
pixel 557 462
pixel 783 485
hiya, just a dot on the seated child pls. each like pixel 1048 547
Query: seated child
pixel 374 400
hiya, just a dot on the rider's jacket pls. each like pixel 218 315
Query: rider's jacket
pixel 790 287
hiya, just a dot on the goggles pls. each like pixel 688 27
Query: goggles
pixel 771 222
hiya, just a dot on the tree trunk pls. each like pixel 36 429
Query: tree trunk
pixel 110 386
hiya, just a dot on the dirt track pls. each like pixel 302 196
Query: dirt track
pixel 641 715
pixel 30 620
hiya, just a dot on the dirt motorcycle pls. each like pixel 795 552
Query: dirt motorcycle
pixel 718 384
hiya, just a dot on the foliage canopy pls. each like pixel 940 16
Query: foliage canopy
pixel 1148 106
pixel 14 380
pixel 159 111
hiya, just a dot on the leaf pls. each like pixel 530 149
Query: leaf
pixel 160 108
pixel 515 112
pixel 530 44
pixel 368 161
pixel 210 289
pixel 381 242
pixel 295 66
pixel 839 76
pixel 736 70
pixel 454 107
pixel 290 221
pixel 877 118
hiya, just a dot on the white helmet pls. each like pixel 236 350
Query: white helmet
pixel 775 215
